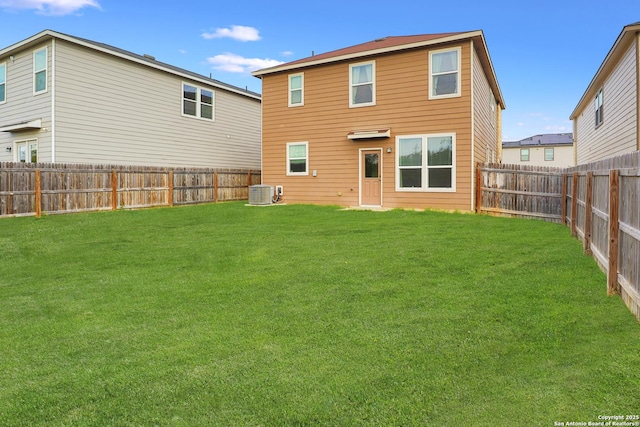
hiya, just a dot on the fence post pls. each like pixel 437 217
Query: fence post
pixel 171 188
pixel 612 272
pixel 478 188
pixel 587 215
pixel 574 204
pixel 38 189
pixel 564 199
pixel 114 190
pixel 215 187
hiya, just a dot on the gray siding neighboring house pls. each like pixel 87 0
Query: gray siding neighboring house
pixel 553 149
pixel 73 100
pixel 607 117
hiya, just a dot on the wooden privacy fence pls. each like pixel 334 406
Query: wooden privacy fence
pixel 37 188
pixel 600 202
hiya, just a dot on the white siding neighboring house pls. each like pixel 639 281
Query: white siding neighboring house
pixel 555 150
pixel 607 117
pixel 65 99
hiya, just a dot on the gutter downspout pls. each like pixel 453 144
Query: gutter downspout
pixel 473 126
pixel 53 100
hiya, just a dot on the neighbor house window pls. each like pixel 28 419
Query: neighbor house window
pixel 27 151
pixel 298 158
pixel 40 70
pixel 444 73
pixel 3 82
pixel 599 108
pixel 524 154
pixel 426 162
pixel 296 90
pixel 548 154
pixel 362 84
pixel 197 102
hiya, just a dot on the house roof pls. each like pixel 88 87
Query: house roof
pixel 394 44
pixel 620 46
pixel 145 60
pixel 546 139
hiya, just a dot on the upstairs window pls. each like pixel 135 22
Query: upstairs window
pixel 296 90
pixel 599 108
pixel 548 154
pixel 3 82
pixel 298 158
pixel 197 102
pixel 444 73
pixel 40 71
pixel 524 154
pixel 362 85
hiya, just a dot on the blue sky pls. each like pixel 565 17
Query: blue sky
pixel 544 53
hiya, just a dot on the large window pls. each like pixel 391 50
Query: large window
pixel 524 154
pixel 426 162
pixel 548 154
pixel 599 108
pixel 197 102
pixel 3 82
pixel 362 84
pixel 40 70
pixel 296 90
pixel 298 158
pixel 444 73
pixel 27 151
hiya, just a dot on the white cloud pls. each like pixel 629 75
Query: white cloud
pixel 236 32
pixel 286 53
pixel 556 128
pixel 50 7
pixel 232 63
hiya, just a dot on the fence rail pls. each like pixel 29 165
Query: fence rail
pixel 600 202
pixel 37 188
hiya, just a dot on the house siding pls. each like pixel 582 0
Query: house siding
pixel 325 119
pixel 562 156
pixel 485 115
pixel 618 132
pixel 22 105
pixel 110 110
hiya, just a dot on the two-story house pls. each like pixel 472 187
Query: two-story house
pixel 395 122
pixel 65 99
pixel 549 149
pixel 606 120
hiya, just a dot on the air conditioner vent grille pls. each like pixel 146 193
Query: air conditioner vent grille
pixel 260 194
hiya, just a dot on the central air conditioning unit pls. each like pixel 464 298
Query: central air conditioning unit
pixel 260 194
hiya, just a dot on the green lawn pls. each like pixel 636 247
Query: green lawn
pixel 300 315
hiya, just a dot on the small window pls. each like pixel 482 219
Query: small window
pixel 197 102
pixel 362 84
pixel 426 162
pixel 524 154
pixel 3 82
pixel 27 151
pixel 599 108
pixel 40 71
pixel 548 154
pixel 298 158
pixel 296 90
pixel 444 73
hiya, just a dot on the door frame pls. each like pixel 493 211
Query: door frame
pixel 360 174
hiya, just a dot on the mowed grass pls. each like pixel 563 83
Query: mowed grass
pixel 303 315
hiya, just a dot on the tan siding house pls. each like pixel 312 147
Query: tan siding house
pixel 99 104
pixel 396 122
pixel 550 150
pixel 607 117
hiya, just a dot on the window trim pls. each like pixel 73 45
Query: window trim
pixel 528 155
pixel 425 166
pixel 599 107
pixel 28 144
pixel 301 89
pixel 373 84
pixel 458 91
pixel 198 102
pixel 3 81
pixel 306 158
pixel 45 69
